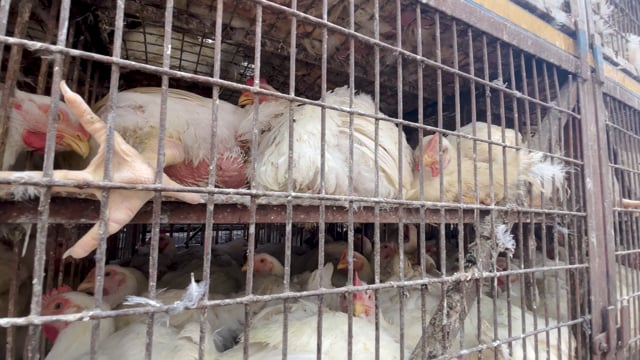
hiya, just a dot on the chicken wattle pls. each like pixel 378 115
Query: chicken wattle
pixel 27 128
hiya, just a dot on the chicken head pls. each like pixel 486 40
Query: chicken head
pixel 387 250
pixel 430 154
pixel 58 301
pixel 364 302
pixel 358 261
pixel 264 263
pixel 32 111
pixel 119 282
pixel 246 98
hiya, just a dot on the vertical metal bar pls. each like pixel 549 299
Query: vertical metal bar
pixel 350 230
pixel 421 227
pixel 44 62
pixel 376 215
pixel 252 208
pixel 45 197
pixel 323 151
pixel 12 72
pixel 399 62
pixel 157 196
pixel 209 226
pixel 4 17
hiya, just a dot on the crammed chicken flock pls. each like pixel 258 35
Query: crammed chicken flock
pixel 187 163
pixel 187 147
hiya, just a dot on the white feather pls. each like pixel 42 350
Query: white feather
pixel 549 173
pixel 505 238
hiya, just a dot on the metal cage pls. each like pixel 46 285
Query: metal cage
pixel 502 260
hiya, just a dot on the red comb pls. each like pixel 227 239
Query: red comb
pixel 55 292
pixel 251 81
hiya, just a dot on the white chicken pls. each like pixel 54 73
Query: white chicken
pixel 119 282
pixel 73 340
pixel 129 167
pixel 68 337
pixel 333 251
pixel 189 139
pixel 230 317
pixel 272 155
pixel 521 321
pixel 361 265
pixel 265 335
pixel 521 166
pixel 299 256
pixel 27 128
pixel 225 274
pixel 552 286
pixel 268 275
pixel 388 301
pixel 390 265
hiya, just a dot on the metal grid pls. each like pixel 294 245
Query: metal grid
pixel 623 141
pixel 616 22
pixel 477 78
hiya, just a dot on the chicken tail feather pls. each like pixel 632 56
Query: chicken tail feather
pixel 547 175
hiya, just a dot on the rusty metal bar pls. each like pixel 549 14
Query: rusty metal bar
pixel 598 206
pixel 80 211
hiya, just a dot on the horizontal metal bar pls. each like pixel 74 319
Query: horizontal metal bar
pixel 249 299
pixel 83 211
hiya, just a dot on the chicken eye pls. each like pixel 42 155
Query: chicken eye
pixel 59 117
pixel 108 273
pixel 261 260
pixel 57 306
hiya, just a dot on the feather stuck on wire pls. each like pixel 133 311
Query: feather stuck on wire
pixel 194 292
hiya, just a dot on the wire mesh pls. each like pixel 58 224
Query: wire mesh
pixel 622 141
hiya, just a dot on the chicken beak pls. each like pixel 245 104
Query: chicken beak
pixel 77 143
pixel 86 286
pixel 359 308
pixel 245 267
pixel 431 164
pixel 246 98
pixel 342 264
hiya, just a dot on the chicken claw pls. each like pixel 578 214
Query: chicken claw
pixel 129 167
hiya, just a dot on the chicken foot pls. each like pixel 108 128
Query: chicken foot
pixel 129 167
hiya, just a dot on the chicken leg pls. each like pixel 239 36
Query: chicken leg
pixel 129 167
